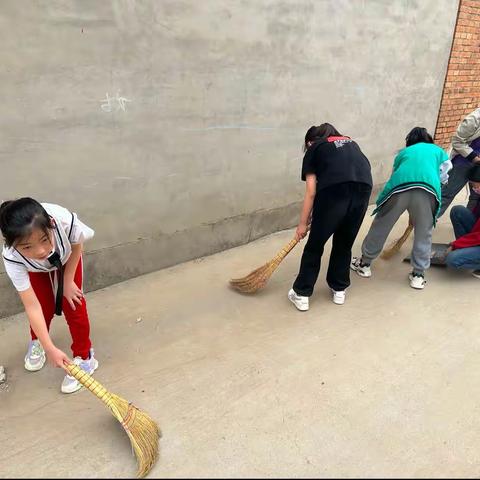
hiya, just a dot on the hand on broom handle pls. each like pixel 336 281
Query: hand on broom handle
pixel 301 231
pixel 88 382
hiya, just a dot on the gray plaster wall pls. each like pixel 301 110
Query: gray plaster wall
pixel 174 127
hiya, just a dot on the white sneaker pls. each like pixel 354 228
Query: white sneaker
pixel 338 297
pixel 363 270
pixel 71 384
pixel 35 357
pixel 417 281
pixel 300 302
pixel 476 273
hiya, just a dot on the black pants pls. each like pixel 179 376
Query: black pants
pixel 339 211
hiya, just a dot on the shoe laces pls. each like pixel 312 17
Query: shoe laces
pixel 36 349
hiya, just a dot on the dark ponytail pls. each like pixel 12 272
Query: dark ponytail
pixel 314 134
pixel 19 218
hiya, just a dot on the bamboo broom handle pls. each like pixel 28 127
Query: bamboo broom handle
pixel 89 382
pixel 285 251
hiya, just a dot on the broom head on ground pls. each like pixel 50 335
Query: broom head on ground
pixel 142 431
pixel 397 245
pixel 257 279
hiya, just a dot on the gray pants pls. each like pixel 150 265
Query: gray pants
pixel 421 206
pixel 457 179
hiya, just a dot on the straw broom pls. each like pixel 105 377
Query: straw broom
pixel 257 279
pixel 395 247
pixel 142 431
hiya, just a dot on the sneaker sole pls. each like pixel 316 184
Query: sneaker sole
pixel 79 385
pixel 417 288
pixel 360 274
pixel 33 368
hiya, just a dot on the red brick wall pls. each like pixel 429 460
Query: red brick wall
pixel 461 92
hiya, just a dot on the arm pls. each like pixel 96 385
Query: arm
pixel 72 292
pixel 310 192
pixel 445 167
pixel 35 316
pixel 465 130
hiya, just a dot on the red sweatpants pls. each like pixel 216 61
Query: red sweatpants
pixel 77 319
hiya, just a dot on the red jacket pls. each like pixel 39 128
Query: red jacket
pixel 471 239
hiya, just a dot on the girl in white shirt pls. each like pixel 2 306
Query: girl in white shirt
pixel 42 254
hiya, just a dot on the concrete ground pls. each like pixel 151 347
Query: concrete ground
pixel 385 386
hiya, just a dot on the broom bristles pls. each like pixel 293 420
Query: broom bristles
pixel 397 245
pixel 141 429
pixel 256 280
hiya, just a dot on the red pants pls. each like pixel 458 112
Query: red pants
pixel 77 319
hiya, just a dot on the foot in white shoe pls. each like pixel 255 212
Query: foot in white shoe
pixel 362 269
pixel 35 357
pixel 338 297
pixel 300 302
pixel 476 273
pixel 71 384
pixel 417 281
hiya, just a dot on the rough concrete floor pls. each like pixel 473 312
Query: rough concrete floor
pixel 386 385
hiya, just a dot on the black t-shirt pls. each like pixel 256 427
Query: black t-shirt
pixel 336 160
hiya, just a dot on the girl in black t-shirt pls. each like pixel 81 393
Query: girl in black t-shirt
pixel 338 186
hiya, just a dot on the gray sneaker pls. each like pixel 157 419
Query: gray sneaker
pixel 35 357
pixel 362 269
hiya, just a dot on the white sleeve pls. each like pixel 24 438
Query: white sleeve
pixel 79 232
pixel 465 130
pixel 76 231
pixel 445 167
pixel 18 275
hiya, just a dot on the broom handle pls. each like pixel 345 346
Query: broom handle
pixel 285 251
pixel 89 382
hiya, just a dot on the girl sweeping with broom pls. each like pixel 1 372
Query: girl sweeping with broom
pixel 42 254
pixel 418 171
pixel 338 186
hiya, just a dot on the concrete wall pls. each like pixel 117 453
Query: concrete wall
pixel 197 147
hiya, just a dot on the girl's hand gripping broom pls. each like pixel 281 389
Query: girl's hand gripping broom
pixel 397 245
pixel 141 429
pixel 257 279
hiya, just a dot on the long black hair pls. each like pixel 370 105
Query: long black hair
pixel 418 135
pixel 314 134
pixel 19 218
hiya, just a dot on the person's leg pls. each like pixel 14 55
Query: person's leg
pixel 382 225
pixel 79 325
pixel 329 209
pixel 462 219
pixel 78 321
pixel 338 275
pixel 41 283
pixel 421 209
pixel 457 179
pixel 464 258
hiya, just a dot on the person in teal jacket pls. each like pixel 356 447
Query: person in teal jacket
pixel 414 186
